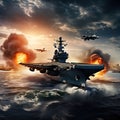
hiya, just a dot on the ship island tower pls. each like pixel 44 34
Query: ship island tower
pixel 60 55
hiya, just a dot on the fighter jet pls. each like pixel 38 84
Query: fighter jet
pixel 41 50
pixel 90 37
pixel 70 73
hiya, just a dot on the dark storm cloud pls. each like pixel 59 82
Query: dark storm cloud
pixel 111 7
pixel 11 15
pixel 88 15
pixel 44 16
pixel 81 15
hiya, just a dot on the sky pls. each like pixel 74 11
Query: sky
pixel 43 21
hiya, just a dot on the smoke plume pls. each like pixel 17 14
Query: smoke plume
pixel 16 43
pixel 91 55
pixel 86 55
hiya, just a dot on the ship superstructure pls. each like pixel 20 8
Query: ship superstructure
pixel 60 55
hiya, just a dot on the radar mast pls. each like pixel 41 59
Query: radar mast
pixel 59 54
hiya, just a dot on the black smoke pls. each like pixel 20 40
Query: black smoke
pixel 92 53
pixel 87 53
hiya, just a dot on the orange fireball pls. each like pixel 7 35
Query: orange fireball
pixel 96 59
pixel 20 57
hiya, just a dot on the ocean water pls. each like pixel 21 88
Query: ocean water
pixel 34 96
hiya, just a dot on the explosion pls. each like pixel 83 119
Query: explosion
pixel 15 50
pixel 96 56
pixel 97 59
pixel 20 57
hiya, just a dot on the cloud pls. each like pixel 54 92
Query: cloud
pixel 2 35
pixel 1 3
pixel 85 16
pixel 115 41
pixel 64 27
pixel 28 6
pixel 78 15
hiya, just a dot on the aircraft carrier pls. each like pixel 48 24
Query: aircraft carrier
pixel 68 72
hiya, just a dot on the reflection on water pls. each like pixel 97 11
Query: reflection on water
pixel 12 83
pixel 36 97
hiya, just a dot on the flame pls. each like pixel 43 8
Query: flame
pixel 20 57
pixel 96 59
